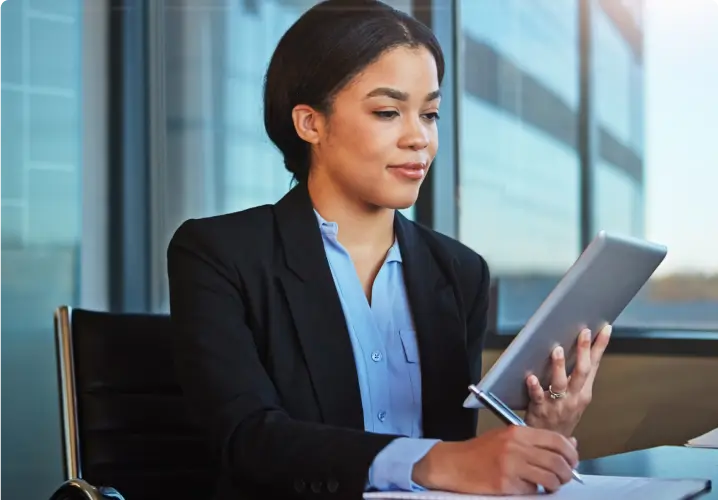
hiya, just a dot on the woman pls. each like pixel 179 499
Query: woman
pixel 326 342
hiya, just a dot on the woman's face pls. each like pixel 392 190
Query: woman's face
pixel 378 141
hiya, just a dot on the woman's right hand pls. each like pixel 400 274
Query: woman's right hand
pixel 506 461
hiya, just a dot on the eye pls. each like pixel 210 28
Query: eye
pixel 432 116
pixel 386 114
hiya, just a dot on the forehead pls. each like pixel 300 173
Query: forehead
pixel 404 68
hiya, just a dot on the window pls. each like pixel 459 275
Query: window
pixel 613 64
pixel 519 168
pixel 649 173
pixel 218 158
pixel 41 227
pixel 656 175
pixel 618 176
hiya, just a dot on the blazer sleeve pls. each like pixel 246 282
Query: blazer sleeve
pixel 230 392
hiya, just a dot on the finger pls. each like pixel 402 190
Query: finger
pixel 559 379
pixel 541 476
pixel 551 462
pixel 536 392
pixel 588 385
pixel 519 487
pixel 599 346
pixel 555 442
pixel 583 362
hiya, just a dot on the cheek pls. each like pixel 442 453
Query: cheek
pixel 433 141
pixel 365 140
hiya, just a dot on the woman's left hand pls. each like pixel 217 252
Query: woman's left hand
pixel 561 405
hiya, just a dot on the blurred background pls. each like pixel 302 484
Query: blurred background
pixel 122 118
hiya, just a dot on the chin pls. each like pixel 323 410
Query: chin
pixel 400 200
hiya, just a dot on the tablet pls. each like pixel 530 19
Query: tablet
pixel 594 291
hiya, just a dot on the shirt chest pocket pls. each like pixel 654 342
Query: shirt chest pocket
pixel 410 346
pixel 412 370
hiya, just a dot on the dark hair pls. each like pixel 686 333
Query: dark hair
pixel 328 46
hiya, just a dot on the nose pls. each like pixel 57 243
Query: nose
pixel 416 135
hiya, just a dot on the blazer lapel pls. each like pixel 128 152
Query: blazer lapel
pixel 317 312
pixel 439 317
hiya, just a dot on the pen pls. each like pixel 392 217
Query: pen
pixel 506 414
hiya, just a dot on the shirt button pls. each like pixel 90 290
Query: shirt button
pixel 376 356
pixel 381 416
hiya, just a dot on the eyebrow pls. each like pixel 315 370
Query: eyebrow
pixel 399 95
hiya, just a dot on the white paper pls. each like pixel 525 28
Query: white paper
pixel 595 488
pixel 707 440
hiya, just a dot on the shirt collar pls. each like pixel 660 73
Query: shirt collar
pixel 327 228
pixel 331 229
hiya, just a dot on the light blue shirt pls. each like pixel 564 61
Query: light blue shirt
pixel 386 355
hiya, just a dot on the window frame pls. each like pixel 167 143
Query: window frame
pixel 129 168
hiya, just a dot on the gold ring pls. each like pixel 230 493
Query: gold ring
pixel 556 395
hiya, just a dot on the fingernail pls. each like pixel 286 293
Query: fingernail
pixel 607 331
pixel 574 441
pixel 586 335
pixel 533 380
pixel 558 352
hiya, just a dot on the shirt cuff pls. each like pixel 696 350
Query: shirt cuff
pixel 393 466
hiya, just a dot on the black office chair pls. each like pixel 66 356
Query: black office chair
pixel 125 432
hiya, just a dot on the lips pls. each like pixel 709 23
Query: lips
pixel 412 171
pixel 410 166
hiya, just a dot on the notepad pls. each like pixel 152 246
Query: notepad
pixel 707 440
pixel 595 488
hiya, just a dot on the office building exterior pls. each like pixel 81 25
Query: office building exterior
pixel 522 133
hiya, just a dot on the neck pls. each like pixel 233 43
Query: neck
pixel 361 225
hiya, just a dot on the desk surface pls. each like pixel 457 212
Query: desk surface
pixel 664 461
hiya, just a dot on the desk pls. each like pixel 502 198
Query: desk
pixel 664 461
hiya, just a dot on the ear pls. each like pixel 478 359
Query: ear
pixel 308 123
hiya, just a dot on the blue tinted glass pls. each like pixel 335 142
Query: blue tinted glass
pixel 13 135
pixel 519 171
pixel 655 178
pixel 52 64
pixel 12 41
pixel 619 201
pixel 540 36
pixel 41 206
pixel 613 75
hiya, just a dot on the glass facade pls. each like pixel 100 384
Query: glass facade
pixel 217 153
pixel 630 161
pixel 41 228
pixel 619 201
pixel 618 94
pixel 613 64
pixel 520 171
pixel 520 180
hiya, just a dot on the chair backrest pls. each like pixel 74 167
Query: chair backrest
pixel 123 417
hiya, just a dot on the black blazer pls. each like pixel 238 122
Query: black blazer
pixel 264 356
